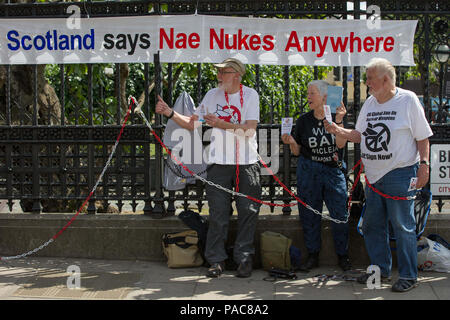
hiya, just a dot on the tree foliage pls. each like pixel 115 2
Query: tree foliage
pixel 271 86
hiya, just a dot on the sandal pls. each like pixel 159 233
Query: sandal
pixel 403 285
pixel 215 270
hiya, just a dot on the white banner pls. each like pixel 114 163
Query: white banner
pixel 198 38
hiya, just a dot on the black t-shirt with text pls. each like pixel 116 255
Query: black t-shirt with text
pixel 315 142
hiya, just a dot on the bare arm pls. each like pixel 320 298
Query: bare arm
pixel 248 128
pixel 423 172
pixel 340 113
pixel 340 132
pixel 183 121
pixel 293 145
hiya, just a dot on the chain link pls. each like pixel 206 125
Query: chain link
pixel 23 255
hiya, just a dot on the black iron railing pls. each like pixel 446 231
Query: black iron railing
pixel 52 153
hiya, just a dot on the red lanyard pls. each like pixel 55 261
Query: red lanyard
pixel 240 93
pixel 237 143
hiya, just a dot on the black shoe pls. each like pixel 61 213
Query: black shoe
pixel 215 270
pixel 245 269
pixel 311 262
pixel 403 285
pixel 344 263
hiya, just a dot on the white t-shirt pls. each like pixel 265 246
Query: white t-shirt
pixel 222 149
pixel 389 133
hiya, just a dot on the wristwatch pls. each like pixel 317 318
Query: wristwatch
pixel 425 162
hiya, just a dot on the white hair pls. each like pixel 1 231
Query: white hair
pixel 383 67
pixel 321 85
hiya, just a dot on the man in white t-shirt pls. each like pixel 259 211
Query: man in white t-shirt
pixel 393 133
pixel 232 110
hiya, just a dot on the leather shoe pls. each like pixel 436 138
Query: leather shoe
pixel 215 270
pixel 311 262
pixel 344 263
pixel 245 269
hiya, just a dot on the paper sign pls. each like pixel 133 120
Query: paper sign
pixel 286 125
pixel 334 97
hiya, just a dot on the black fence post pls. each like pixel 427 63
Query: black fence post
pixel 37 207
pixel 286 152
pixel 159 210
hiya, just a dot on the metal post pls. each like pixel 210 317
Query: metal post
pixel 91 173
pixel 37 208
pixel 159 209
pixel 286 152
pixel 148 209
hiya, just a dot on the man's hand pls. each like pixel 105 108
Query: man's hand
pixel 340 112
pixel 193 121
pixel 162 107
pixel 212 120
pixel 330 127
pixel 422 176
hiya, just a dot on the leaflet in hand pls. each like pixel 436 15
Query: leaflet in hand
pixel 286 125
pixel 334 97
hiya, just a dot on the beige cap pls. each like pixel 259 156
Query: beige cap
pixel 232 63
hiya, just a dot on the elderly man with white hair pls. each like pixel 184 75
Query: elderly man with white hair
pixel 393 133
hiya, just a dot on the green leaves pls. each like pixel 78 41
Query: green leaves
pixel 274 93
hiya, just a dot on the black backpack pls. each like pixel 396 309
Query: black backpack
pixel 198 223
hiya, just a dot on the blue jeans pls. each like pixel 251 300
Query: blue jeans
pixel 379 211
pixel 316 183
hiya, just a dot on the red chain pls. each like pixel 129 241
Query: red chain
pixel 349 203
pixel 385 195
pixel 371 187
pixel 237 142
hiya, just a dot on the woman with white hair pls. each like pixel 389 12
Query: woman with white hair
pixel 319 176
pixel 393 133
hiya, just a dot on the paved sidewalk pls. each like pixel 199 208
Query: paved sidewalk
pixel 47 278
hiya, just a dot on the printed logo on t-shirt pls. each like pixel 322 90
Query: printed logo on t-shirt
pixel 228 113
pixel 378 135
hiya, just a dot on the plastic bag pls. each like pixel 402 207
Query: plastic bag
pixel 432 256
pixel 175 177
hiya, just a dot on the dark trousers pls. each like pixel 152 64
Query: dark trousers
pixel 318 183
pixel 219 203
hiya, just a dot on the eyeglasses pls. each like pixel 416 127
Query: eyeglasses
pixel 225 72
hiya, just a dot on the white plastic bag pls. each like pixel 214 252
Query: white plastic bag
pixel 432 256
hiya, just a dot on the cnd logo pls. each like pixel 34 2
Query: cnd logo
pixel 74 280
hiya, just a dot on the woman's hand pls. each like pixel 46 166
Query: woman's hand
pixel 287 139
